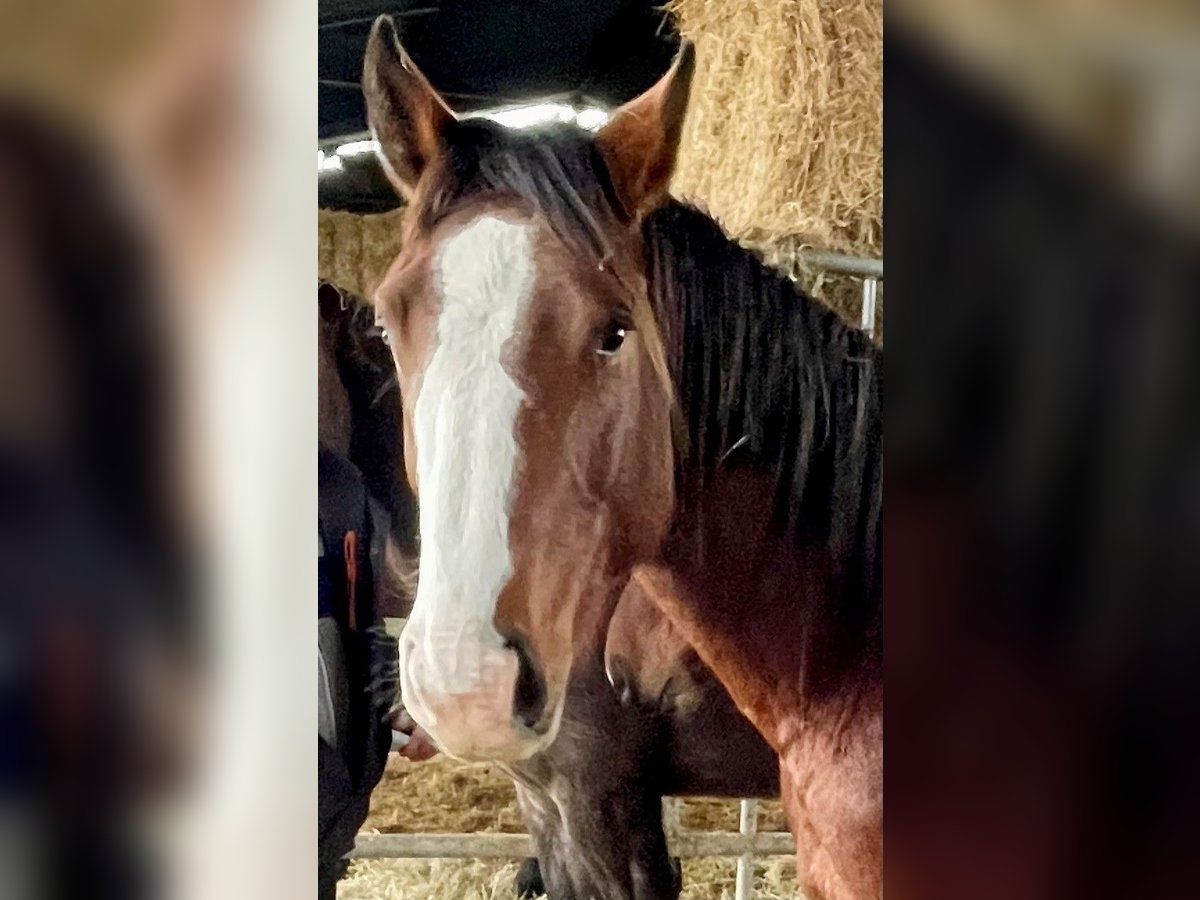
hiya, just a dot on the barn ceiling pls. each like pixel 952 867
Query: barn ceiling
pixel 483 54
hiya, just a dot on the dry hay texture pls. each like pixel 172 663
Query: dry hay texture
pixel 355 251
pixel 784 134
pixel 448 796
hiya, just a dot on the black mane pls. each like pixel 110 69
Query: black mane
pixel 769 378
pixel 557 170
pixel 765 376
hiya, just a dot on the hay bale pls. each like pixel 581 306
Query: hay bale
pixel 784 135
pixel 355 251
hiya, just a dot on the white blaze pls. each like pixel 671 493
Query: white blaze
pixel 464 423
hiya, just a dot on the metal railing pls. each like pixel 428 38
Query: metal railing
pixel 450 845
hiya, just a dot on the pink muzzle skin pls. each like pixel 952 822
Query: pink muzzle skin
pixel 463 697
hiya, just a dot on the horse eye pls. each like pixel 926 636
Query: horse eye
pixel 612 339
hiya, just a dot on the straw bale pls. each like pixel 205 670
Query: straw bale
pixel 444 795
pixel 784 135
pixel 355 251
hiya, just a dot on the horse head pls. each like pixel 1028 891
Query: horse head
pixel 537 404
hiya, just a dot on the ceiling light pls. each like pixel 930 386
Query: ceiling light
pixel 356 148
pixel 591 118
pixel 328 162
pixel 531 116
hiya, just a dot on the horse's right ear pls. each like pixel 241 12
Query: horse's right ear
pixel 641 140
pixel 408 118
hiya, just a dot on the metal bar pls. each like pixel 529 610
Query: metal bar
pixel 863 266
pixel 691 844
pixel 748 826
pixel 688 844
pixel 448 846
pixel 670 814
pixel 870 289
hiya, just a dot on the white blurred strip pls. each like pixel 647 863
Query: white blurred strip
pixel 250 833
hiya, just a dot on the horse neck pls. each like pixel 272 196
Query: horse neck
pixel 779 484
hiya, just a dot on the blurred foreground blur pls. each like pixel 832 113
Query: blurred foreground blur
pixel 1043 507
pixel 156 413
pixel 100 611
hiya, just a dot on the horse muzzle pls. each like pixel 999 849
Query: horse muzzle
pixel 478 701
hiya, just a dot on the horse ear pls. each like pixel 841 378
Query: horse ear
pixel 641 140
pixel 405 113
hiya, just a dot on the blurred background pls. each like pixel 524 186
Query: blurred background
pixel 157 406
pixel 1043 510
pixel 156 419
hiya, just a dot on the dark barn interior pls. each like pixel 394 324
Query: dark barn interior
pixel 482 55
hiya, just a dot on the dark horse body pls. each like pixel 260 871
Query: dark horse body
pixel 592 800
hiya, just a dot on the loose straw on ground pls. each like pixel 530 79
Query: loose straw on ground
pixel 448 796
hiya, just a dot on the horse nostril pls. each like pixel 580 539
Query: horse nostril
pixel 529 695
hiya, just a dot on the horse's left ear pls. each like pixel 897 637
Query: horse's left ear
pixel 406 115
pixel 641 140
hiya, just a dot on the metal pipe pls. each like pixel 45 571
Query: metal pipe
pixel 688 844
pixel 436 846
pixel 748 827
pixel 670 814
pixel 862 266
pixel 870 289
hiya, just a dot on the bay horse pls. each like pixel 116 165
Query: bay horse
pixel 591 801
pixel 597 379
